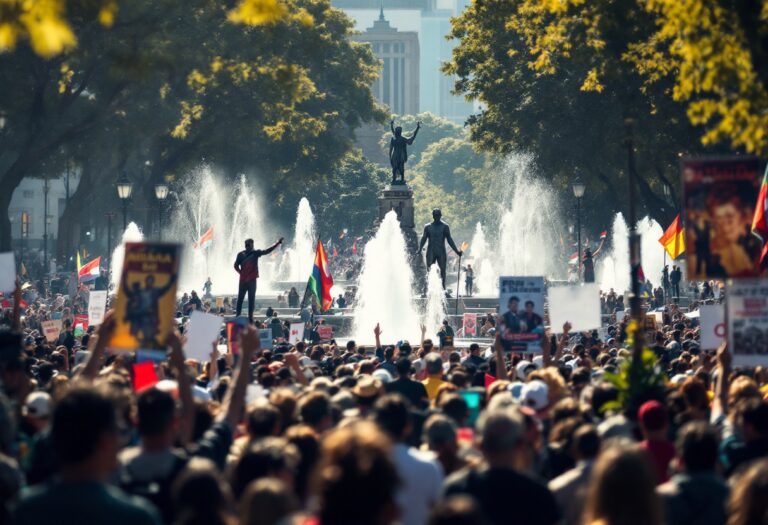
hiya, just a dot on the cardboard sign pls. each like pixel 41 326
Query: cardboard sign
pixel 521 313
pixel 146 299
pixel 719 201
pixel 51 329
pixel 234 328
pixel 469 322
pixel 265 337
pixel 7 272
pixel 297 333
pixel 578 305
pixel 202 331
pixel 747 314
pixel 219 302
pixel 325 332
pixel 712 321
pixel 97 307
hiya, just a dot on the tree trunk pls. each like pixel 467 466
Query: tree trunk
pixel 69 224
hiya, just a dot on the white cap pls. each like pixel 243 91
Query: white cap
pixel 38 404
pixel 535 395
pixel 538 361
pixel 520 369
pixel 383 375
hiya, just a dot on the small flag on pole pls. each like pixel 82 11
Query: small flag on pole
pixel 464 246
pixel 205 240
pixel 760 219
pixel 603 235
pixel 89 271
pixel 673 239
pixel 574 258
pixel 320 282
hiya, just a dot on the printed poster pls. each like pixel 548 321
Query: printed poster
pixel 265 337
pixel 146 298
pixel 325 332
pixel 521 313
pixel 470 324
pixel 51 329
pixel 719 197
pixel 712 322
pixel 747 315
pixel 297 333
pixel 234 328
pixel 97 307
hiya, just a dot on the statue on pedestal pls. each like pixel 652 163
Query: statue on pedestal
pixel 398 151
pixel 438 232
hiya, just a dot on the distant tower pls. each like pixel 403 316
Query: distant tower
pixel 398 82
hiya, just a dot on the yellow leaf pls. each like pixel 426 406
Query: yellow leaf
pixel 107 14
pixel 257 12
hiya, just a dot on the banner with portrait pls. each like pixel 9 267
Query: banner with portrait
pixel 521 313
pixel 146 297
pixel 719 196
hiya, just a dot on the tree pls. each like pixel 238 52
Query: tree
pixel 281 98
pixel 567 105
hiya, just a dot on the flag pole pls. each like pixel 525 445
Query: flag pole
pixel 458 287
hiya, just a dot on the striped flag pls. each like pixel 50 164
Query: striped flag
pixel 205 240
pixel 320 282
pixel 760 220
pixel 574 258
pixel 89 271
pixel 603 235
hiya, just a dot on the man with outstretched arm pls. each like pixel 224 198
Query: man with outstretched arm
pixel 247 265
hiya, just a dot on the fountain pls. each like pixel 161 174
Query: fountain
pixel 613 265
pixel 436 305
pixel 384 292
pixel 298 260
pixel 235 212
pixel 486 280
pixel 131 234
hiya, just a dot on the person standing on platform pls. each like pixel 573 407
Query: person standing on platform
pixel 247 265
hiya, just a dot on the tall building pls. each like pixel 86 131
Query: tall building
pixel 398 83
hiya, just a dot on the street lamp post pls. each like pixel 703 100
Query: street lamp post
pixel 45 226
pixel 634 245
pixel 124 191
pixel 578 191
pixel 109 216
pixel 161 192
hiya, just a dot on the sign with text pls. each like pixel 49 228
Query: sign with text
pixel 97 307
pixel 51 329
pixel 712 321
pixel 578 305
pixel 521 313
pixel 265 338
pixel 146 298
pixel 470 324
pixel 296 334
pixel 747 314
pixel 325 332
pixel 719 201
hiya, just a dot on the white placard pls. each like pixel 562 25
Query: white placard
pixel 712 320
pixel 51 329
pixel 620 315
pixel 97 306
pixel 297 333
pixel 7 272
pixel 265 336
pixel 747 313
pixel 578 305
pixel 202 330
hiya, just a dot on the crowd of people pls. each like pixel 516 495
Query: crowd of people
pixel 395 432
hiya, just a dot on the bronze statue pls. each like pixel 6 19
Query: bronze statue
pixel 398 151
pixel 438 232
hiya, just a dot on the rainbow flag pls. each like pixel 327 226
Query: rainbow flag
pixel 205 240
pixel 673 239
pixel 320 281
pixel 760 220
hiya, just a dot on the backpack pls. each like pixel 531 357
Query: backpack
pixel 157 491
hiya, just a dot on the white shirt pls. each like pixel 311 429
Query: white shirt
pixel 421 480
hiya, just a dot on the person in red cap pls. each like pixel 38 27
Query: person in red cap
pixel 654 424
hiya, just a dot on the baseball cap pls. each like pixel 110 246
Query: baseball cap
pixel 38 404
pixel 535 395
pixel 652 415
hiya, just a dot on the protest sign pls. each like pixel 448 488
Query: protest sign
pixel 80 325
pixel 202 330
pixel 146 298
pixel 219 302
pixel 97 307
pixel 265 337
pixel 620 315
pixel 747 315
pixel 325 332
pixel 521 307
pixel 234 328
pixel 719 201
pixel 712 321
pixel 51 329
pixel 144 376
pixel 7 272
pixel 578 305
pixel 470 324
pixel 297 333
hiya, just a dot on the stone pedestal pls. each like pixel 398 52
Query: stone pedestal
pixel 399 197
